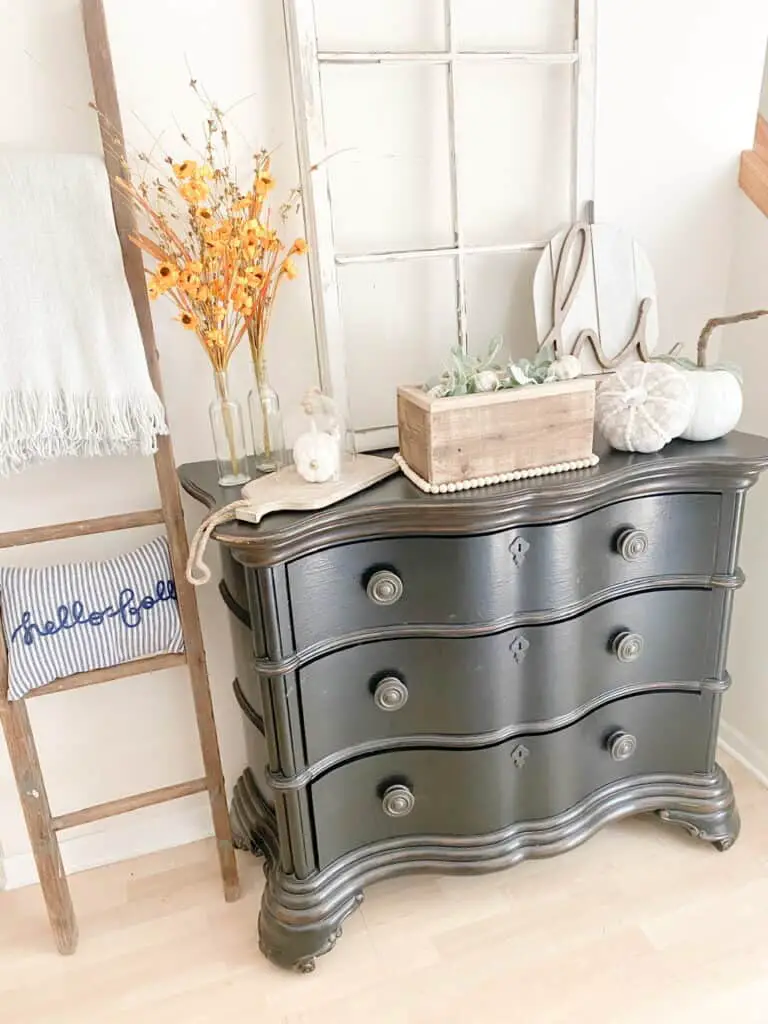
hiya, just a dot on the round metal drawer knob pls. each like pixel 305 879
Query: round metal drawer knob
pixel 622 745
pixel 384 587
pixel 398 801
pixel 628 647
pixel 390 694
pixel 632 544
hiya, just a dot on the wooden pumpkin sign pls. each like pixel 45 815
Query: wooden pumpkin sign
pixel 594 296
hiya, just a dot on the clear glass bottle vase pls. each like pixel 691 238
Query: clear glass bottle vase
pixel 266 422
pixel 228 434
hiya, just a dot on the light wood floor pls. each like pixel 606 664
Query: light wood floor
pixel 641 924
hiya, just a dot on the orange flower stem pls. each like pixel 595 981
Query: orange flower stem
pixel 256 337
pixel 157 220
pixel 148 246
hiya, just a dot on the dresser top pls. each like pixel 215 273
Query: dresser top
pixel 395 507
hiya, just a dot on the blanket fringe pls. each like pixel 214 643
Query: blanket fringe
pixel 35 427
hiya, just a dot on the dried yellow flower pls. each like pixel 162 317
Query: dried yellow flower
pixel 188 320
pixel 214 338
pixel 186 169
pixel 193 191
pixel 290 270
pixel 254 276
pixel 189 282
pixel 166 275
pixel 264 183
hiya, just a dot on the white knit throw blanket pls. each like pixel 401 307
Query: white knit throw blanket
pixel 73 375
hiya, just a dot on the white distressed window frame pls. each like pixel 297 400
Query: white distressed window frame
pixel 305 61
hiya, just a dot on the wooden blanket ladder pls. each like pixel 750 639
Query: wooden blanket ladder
pixel 42 826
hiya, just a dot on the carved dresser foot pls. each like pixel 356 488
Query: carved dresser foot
pixel 293 944
pixel 300 919
pixel 716 820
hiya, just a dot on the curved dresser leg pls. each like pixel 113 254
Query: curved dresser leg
pixel 297 943
pixel 716 820
pixel 250 817
pixel 299 920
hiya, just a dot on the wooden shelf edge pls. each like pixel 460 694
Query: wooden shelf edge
pixel 128 803
pixel 139 667
pixel 753 179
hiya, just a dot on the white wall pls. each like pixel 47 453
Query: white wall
pixel 745 714
pixel 677 94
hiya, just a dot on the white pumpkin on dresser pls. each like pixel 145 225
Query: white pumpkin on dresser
pixel 717 393
pixel 643 406
pixel 317 456
pixel 717 403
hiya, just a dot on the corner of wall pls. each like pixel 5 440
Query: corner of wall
pixel 754 759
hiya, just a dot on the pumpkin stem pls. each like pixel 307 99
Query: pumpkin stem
pixel 721 321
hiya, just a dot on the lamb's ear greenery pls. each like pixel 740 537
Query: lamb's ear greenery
pixel 462 376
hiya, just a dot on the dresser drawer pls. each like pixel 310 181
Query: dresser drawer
pixel 446 581
pixel 418 686
pixel 474 792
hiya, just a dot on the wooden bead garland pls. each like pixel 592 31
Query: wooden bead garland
pixel 487 481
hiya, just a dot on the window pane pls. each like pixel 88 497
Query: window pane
pixel 395 25
pixel 500 301
pixel 399 325
pixel 514 161
pixel 390 179
pixel 547 25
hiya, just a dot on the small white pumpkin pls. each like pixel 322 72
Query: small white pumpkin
pixel 317 456
pixel 643 406
pixel 487 380
pixel 566 367
pixel 718 402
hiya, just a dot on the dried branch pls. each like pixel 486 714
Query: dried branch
pixel 721 321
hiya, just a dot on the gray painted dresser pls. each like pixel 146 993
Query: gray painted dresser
pixel 458 682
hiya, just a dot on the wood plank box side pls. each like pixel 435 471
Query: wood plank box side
pixel 468 436
pixel 414 428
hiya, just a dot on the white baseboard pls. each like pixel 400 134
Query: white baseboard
pixel 132 835
pixel 737 745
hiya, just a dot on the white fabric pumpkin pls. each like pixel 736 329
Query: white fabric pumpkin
pixel 317 457
pixel 643 406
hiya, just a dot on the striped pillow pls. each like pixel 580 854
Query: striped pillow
pixel 64 619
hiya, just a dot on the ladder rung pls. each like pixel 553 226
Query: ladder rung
pixel 139 667
pixel 82 527
pixel 129 803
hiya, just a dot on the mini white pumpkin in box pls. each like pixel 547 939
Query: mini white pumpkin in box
pixel 318 452
pixel 643 406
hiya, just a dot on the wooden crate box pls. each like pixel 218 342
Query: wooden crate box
pixel 446 440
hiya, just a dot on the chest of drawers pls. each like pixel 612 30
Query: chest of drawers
pixel 457 682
